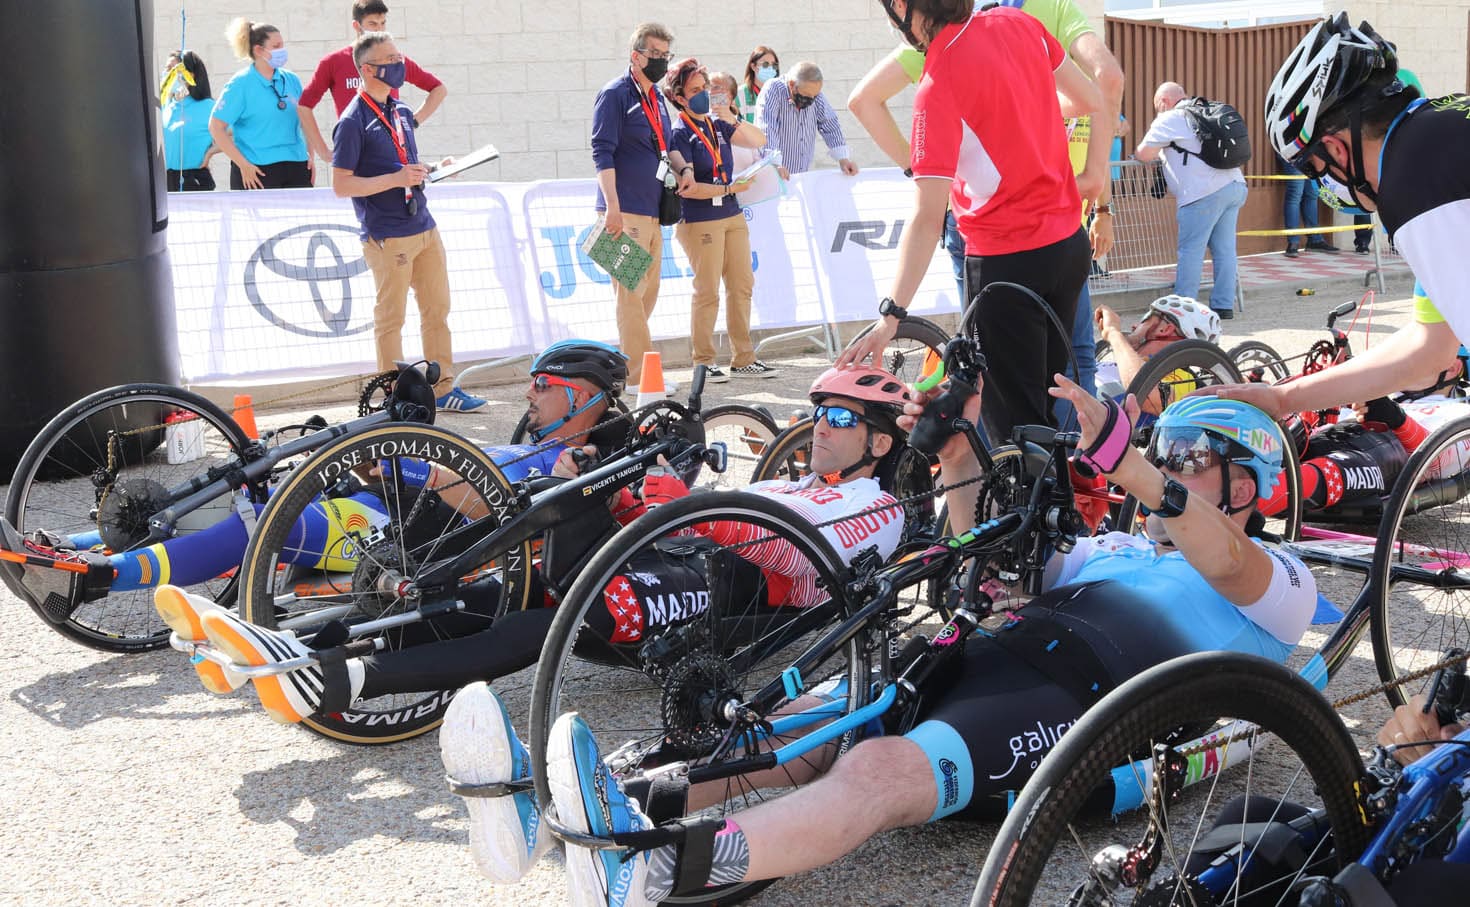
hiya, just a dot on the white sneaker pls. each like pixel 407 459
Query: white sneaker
pixel 479 746
pixel 184 613
pixel 589 798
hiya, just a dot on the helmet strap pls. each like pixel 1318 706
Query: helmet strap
pixel 906 24
pixel 572 411
pixel 842 475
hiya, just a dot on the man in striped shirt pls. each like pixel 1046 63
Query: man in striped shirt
pixel 792 111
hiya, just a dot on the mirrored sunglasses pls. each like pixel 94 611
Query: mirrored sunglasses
pixel 1187 454
pixel 836 416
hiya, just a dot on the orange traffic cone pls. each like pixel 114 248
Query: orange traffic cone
pixel 651 388
pixel 245 415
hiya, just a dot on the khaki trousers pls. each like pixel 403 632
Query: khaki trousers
pixel 720 249
pixel 418 262
pixel 636 305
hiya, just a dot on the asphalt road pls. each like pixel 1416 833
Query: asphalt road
pixel 126 783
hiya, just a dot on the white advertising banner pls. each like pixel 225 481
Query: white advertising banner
pixel 273 285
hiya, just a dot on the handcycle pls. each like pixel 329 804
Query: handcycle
pixel 748 694
pixel 445 559
pixel 130 466
pixel 1311 825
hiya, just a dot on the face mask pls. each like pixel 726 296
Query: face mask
pixel 700 103
pixel 1337 196
pixel 656 69
pixel 278 58
pixel 393 74
pixel 801 101
pixel 765 74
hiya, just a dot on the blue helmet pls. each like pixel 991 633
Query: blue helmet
pixel 1242 433
pixel 602 364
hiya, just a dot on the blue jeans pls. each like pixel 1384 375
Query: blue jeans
pixel 1084 347
pixel 954 244
pixel 1210 222
pixel 1299 209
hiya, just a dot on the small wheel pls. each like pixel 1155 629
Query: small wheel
pixel 1059 844
pixel 1423 607
pixel 746 433
pixel 915 350
pixel 339 542
pixel 100 470
pixel 653 687
pixel 1259 362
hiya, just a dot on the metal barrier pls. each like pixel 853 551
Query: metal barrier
pixel 1145 234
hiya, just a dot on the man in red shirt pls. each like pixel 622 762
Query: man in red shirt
pixel 986 140
pixel 336 72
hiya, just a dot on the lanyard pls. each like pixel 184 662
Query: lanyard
pixel 395 131
pixel 712 146
pixel 655 122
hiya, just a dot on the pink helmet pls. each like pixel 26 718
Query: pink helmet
pixel 876 389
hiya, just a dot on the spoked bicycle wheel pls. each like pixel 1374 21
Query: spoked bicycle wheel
pixel 652 691
pixel 1273 738
pixel 1259 362
pixel 95 476
pixel 746 432
pixel 1422 607
pixel 916 348
pixel 1176 371
pixel 353 527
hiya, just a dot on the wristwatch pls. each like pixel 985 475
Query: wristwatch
pixel 1175 497
pixel 889 307
pixel 1103 209
pixel 413 118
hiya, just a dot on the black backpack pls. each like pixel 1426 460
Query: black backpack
pixel 1225 142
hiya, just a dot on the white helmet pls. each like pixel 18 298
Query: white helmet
pixel 1325 69
pixel 1194 321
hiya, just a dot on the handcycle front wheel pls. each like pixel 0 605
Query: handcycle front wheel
pixel 916 348
pixel 99 471
pixel 1179 369
pixel 353 526
pixel 647 685
pixel 1258 361
pixel 746 432
pixel 1059 830
pixel 1421 601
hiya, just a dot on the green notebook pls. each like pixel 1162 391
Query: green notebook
pixel 622 257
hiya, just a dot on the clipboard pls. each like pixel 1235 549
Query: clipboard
pixel 482 155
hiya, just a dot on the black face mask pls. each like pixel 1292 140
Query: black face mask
pixel 656 69
pixel 801 101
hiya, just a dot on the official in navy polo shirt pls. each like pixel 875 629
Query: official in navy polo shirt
pixel 375 162
pixel 633 152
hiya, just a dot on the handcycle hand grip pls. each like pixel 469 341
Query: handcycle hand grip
pixel 1345 309
pixel 582 460
pixel 1447 690
pixel 943 416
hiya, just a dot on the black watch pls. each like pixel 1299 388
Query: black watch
pixel 412 118
pixel 889 307
pixel 1175 497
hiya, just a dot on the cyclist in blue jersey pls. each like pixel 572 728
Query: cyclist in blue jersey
pixel 572 387
pixel 1199 584
pixel 1337 108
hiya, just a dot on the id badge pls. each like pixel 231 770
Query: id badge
pixel 717 200
pixel 662 174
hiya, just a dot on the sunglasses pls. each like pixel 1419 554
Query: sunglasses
pixel 543 382
pixel 836 416
pixel 1187 455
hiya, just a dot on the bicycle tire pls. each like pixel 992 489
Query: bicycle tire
pixel 62 462
pixel 1201 362
pixel 916 340
pixel 1253 354
pixel 1144 710
pixel 560 685
pixel 746 432
pixel 408 715
pixel 1426 523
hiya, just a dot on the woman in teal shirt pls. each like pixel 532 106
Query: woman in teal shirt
pixel 187 146
pixel 254 121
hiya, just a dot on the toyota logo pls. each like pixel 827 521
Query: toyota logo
pixel 306 255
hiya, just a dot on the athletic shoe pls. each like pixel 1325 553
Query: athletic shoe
pixel 288 697
pixel 184 615
pixel 459 401
pixel 1322 247
pixel 756 369
pixel 1291 253
pixel 713 374
pixel 589 798
pixel 1225 314
pixel 54 581
pixel 479 746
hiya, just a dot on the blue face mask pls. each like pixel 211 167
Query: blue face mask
pixel 278 58
pixel 393 74
pixel 700 103
pixel 765 74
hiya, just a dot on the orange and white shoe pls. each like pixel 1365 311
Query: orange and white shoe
pixel 289 696
pixel 184 613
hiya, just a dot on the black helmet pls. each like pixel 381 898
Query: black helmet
pixel 599 363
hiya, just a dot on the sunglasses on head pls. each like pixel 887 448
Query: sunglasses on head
pixel 1188 454
pixel 542 381
pixel 837 416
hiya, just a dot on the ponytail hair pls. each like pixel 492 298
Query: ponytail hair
pixel 244 36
